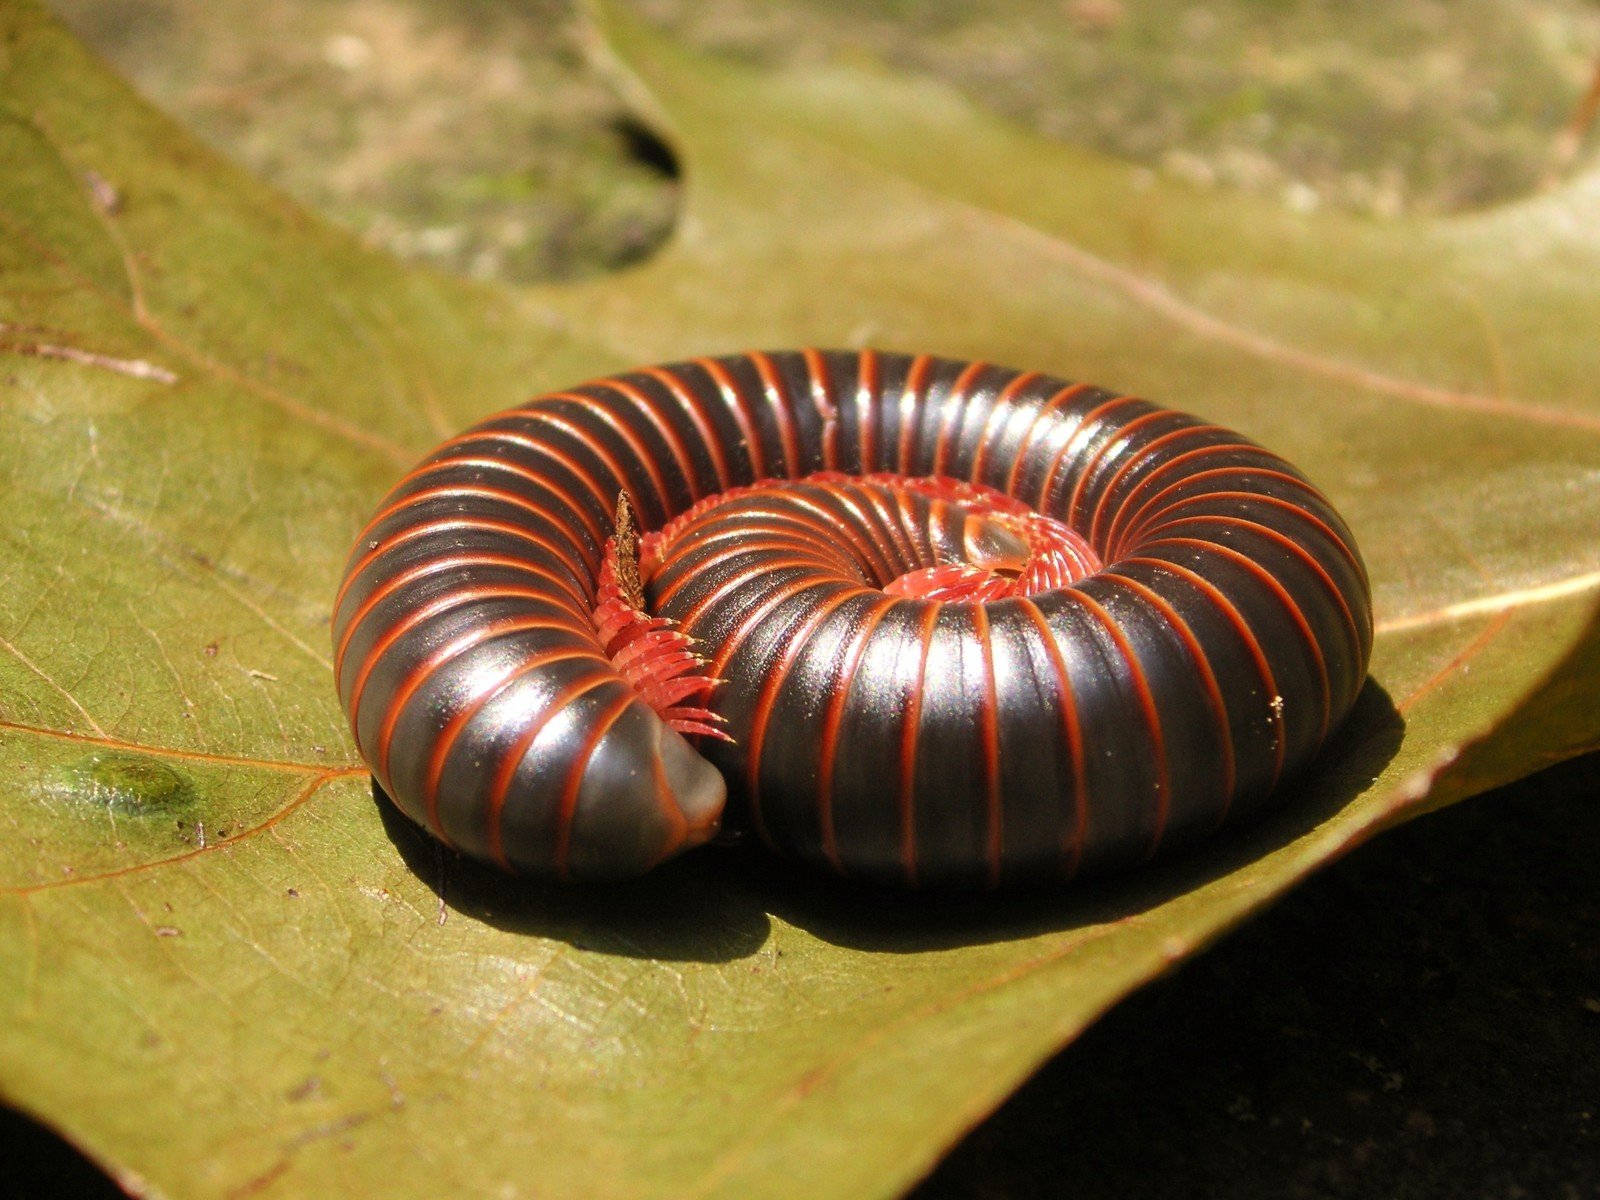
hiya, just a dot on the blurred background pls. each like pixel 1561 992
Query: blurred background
pixel 1420 1020
pixel 476 134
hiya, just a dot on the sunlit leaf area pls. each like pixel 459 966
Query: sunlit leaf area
pixel 258 259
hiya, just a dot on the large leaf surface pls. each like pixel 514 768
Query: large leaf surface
pixel 225 971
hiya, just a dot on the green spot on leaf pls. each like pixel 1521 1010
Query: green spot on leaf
pixel 135 784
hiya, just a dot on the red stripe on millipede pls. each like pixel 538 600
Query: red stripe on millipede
pixel 1124 436
pixel 1258 656
pixel 827 408
pixel 852 521
pixel 778 400
pixel 989 738
pixel 910 400
pixel 728 389
pixel 667 593
pixel 886 519
pixel 636 447
pixel 467 523
pixel 490 462
pixel 1003 409
pixel 1068 706
pixel 748 623
pixel 589 442
pixel 466 594
pixel 458 521
pixel 1127 515
pixel 1277 537
pixel 866 401
pixel 1148 712
pixel 909 739
pixel 452 729
pixel 1047 410
pixel 955 411
pixel 568 804
pixel 1341 547
pixel 832 713
pixel 462 561
pixel 511 759
pixel 762 712
pixel 1152 447
pixel 1296 616
pixel 690 403
pixel 1085 425
pixel 675 443
pixel 415 678
pixel 1208 678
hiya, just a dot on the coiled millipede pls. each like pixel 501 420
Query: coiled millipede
pixel 928 622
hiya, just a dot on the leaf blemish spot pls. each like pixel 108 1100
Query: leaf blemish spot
pixel 127 784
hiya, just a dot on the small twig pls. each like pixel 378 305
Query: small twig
pixel 136 367
pixel 626 535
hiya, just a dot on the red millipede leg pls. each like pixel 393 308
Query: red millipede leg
pixel 656 658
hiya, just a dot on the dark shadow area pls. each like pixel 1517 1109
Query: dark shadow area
pixel 1420 1020
pixel 687 910
pixel 36 1163
pixel 646 147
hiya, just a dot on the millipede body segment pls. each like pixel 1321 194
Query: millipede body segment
pixel 917 620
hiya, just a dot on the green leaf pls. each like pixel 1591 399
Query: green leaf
pixel 225 971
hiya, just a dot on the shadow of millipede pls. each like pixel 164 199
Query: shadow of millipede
pixel 715 904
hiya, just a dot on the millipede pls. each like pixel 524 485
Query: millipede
pixel 911 619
